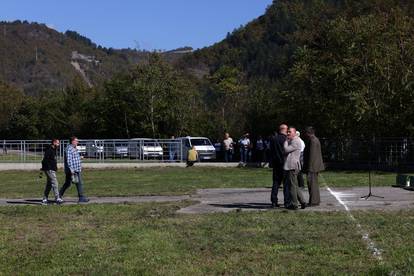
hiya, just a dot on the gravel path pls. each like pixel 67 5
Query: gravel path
pixel 227 200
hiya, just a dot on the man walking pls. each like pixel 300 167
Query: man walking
pixel 73 168
pixel 49 166
pixel 313 164
pixel 292 167
pixel 277 160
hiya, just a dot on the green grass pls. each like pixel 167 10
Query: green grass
pixel 170 181
pixel 354 179
pixel 152 239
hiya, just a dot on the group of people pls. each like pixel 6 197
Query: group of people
pixel 289 157
pixel 286 149
pixel 257 150
pixel 244 144
pixel 72 167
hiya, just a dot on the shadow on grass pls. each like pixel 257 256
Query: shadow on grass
pixel 25 202
pixel 29 202
pixel 258 206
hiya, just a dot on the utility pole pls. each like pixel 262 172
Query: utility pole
pixel 36 53
pixel 4 30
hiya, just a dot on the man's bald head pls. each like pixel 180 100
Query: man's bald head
pixel 283 129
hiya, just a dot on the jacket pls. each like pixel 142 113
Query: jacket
pixel 49 162
pixel 313 156
pixel 277 153
pixel 292 149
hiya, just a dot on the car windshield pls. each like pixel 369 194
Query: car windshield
pixel 200 142
pixel 151 144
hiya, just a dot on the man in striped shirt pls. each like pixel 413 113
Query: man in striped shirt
pixel 73 169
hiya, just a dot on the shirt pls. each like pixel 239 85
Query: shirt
pixel 302 145
pixel 245 142
pixel 72 159
pixel 228 143
pixel 192 155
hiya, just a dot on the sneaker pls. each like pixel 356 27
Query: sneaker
pixel 83 199
pixel 59 201
pixel 45 201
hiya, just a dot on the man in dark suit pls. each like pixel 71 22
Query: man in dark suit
pixel 277 159
pixel 313 164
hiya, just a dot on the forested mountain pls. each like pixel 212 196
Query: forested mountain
pixel 35 57
pixel 345 67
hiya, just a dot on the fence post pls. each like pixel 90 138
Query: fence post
pixel 24 152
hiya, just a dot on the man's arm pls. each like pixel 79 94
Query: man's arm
pixel 69 155
pixel 294 145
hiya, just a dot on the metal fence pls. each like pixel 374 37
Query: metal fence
pixel 132 150
pixel 389 154
pixel 384 154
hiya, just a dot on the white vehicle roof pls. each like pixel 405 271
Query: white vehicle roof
pixel 192 137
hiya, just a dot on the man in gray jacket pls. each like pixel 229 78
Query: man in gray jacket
pixel 313 164
pixel 292 167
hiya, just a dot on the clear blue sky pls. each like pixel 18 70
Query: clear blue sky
pixel 149 24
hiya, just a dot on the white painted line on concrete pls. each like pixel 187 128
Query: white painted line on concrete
pixel 365 236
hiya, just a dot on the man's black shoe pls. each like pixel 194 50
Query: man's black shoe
pixel 275 205
pixel 83 200
pixel 302 205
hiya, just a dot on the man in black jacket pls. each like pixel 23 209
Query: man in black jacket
pixel 49 166
pixel 277 159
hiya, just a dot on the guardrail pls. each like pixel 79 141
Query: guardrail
pixel 379 154
pixel 388 154
pixel 117 150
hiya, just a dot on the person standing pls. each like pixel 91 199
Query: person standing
pixel 260 150
pixel 173 149
pixel 244 143
pixel 301 182
pixel 313 164
pixel 73 169
pixel 49 166
pixel 276 161
pixel 228 148
pixel 292 167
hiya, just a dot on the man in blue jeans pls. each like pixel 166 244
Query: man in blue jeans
pixel 73 169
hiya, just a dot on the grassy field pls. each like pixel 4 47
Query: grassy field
pixel 170 181
pixel 152 239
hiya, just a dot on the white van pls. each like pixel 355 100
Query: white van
pixel 203 146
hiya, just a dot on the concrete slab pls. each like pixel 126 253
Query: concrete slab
pixel 227 200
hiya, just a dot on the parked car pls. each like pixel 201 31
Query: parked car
pixel 203 145
pixel 81 149
pixel 145 148
pixel 94 148
pixel 116 149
